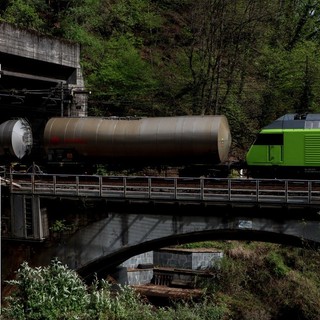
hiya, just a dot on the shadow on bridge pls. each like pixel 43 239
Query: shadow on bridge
pixel 103 266
pixel 114 232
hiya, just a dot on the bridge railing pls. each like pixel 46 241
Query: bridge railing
pixel 168 188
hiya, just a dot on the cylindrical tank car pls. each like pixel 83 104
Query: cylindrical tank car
pixel 161 140
pixel 15 138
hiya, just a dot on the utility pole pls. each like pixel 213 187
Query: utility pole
pixel 62 97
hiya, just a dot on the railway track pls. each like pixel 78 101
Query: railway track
pixel 168 188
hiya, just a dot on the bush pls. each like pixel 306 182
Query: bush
pixel 52 292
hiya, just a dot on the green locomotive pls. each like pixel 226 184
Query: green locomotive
pixel 287 148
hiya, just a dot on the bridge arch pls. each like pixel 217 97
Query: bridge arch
pixel 105 264
pixel 117 236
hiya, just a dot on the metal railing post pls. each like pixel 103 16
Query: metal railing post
pixel 54 185
pixel 309 191
pixel 77 185
pixel 202 188
pixel 124 187
pixel 175 183
pixel 229 189
pixel 100 186
pixel 149 188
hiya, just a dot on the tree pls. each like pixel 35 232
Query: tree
pixel 26 14
pixel 123 76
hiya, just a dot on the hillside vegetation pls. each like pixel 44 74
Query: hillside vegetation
pixel 250 60
pixel 255 281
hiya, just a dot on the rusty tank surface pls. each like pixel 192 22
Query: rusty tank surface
pixel 181 139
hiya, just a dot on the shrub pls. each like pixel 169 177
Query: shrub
pixel 53 292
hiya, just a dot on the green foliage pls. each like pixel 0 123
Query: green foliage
pixel 25 14
pixel 241 126
pixel 204 310
pixel 55 293
pixel 202 244
pixel 252 62
pixel 255 281
pixel 122 73
pixel 60 226
pixel 124 303
pixel 286 75
pixel 277 265
pixel 135 14
pixel 48 293
pixel 86 18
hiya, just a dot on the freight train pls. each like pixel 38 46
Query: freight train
pixel 288 147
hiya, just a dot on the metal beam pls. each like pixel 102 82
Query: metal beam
pixel 30 76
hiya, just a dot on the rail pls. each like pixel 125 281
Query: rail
pixel 271 191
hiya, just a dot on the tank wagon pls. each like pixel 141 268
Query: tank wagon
pixel 289 147
pixel 136 142
pixel 15 139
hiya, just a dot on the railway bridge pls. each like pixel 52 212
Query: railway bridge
pixel 94 223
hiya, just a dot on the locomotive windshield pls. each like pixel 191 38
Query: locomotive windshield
pixel 269 139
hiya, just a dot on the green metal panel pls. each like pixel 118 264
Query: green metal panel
pixel 263 153
pixel 257 155
pixel 301 147
pixel 275 154
pixel 312 149
pixel 293 147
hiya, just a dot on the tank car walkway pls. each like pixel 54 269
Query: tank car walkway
pixel 235 192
